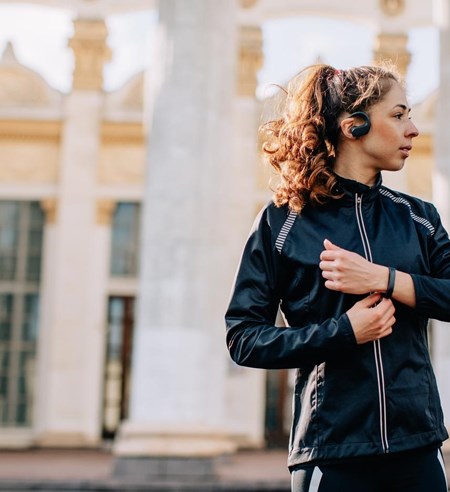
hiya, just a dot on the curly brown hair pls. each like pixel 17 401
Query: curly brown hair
pixel 301 144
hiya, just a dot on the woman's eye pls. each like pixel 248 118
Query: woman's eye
pixel 398 116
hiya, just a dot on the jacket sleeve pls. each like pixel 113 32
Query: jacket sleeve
pixel 433 291
pixel 252 337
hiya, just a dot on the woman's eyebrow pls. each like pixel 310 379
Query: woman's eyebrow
pixel 403 107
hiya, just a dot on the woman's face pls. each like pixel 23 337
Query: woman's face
pixel 389 141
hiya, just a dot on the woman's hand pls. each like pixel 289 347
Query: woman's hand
pixel 371 321
pixel 349 272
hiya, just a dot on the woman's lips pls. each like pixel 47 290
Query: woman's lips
pixel 405 150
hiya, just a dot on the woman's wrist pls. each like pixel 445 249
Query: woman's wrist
pixel 381 279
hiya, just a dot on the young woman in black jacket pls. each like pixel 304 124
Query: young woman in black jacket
pixel 356 269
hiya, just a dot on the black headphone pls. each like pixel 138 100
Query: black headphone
pixel 360 130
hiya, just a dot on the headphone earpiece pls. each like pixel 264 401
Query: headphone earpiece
pixel 360 130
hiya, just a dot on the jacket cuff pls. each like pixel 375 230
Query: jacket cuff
pixel 347 330
pixel 417 282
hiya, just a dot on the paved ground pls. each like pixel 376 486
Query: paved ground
pixel 90 470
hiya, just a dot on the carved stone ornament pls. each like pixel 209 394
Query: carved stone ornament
pixel 91 52
pixel 104 211
pixel 250 59
pixel 392 7
pixel 392 47
pixel 50 208
pixel 247 4
pixel 19 85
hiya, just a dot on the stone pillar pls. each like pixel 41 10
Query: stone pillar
pixel 393 47
pixel 75 265
pixel 391 43
pixel 441 194
pixel 177 422
pixel 246 387
pixel 250 60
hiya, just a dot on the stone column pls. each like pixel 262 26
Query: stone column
pixel 75 264
pixel 441 194
pixel 391 43
pixel 246 387
pixel 177 422
pixel 393 47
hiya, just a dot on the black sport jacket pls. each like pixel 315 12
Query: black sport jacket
pixel 349 400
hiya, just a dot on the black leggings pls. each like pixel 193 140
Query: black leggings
pixel 403 472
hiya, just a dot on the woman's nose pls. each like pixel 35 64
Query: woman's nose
pixel 412 130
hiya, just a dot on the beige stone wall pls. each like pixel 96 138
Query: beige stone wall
pixel 121 164
pixel 122 154
pixel 419 168
pixel 29 151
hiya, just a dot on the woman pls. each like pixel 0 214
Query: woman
pixel 356 269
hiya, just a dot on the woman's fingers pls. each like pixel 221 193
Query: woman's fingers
pixel 329 255
pixel 370 300
pixel 372 318
pixel 326 265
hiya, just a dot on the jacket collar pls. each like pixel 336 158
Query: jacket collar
pixel 349 188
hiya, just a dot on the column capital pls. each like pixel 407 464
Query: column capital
pixel 105 208
pixel 250 59
pixel 392 7
pixel 246 4
pixel 50 208
pixel 393 47
pixel 91 52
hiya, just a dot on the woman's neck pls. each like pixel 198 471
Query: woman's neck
pixel 349 169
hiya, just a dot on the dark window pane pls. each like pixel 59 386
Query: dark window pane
pixel 9 225
pixel 25 385
pixel 125 238
pixel 26 367
pixel 22 386
pixel 6 315
pixel 34 243
pixel 22 414
pixel 30 318
pixel 115 328
pixel 8 265
pixel 3 411
pixel 3 387
pixel 9 239
pixel 4 362
pixel 21 233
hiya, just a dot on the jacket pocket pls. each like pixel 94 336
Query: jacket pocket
pixel 409 413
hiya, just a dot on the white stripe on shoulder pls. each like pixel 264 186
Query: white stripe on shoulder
pixel 415 217
pixel 284 231
pixel 315 480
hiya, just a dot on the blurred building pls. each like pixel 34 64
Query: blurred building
pixel 74 171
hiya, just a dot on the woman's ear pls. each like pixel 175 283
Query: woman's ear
pixel 346 126
pixel 356 125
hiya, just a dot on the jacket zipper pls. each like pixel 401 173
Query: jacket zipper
pixel 376 343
